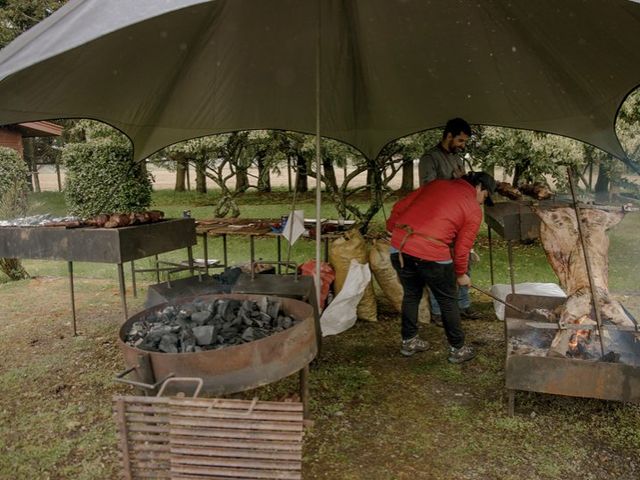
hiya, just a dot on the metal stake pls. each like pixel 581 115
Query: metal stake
pixel 594 298
pixel 73 298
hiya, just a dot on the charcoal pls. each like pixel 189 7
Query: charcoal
pixel 611 357
pixel 246 319
pixel 187 341
pixel 248 335
pixel 263 304
pixel 204 335
pixel 201 325
pixel 200 317
pixel 168 343
pixel 222 308
pixel 273 308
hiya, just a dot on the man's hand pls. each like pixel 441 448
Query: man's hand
pixel 464 280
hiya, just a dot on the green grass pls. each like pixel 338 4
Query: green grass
pixel 377 415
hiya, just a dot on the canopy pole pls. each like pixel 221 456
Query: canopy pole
pixel 318 162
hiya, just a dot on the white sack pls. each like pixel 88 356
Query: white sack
pixel 341 315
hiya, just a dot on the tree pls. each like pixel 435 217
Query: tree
pixel 13 202
pixel 17 16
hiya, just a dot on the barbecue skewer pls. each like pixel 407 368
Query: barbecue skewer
pixel 587 262
pixel 507 304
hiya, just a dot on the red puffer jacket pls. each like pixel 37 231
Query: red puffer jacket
pixel 440 213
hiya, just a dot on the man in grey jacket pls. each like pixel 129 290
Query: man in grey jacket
pixel 444 162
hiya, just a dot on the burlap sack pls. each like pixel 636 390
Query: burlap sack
pixel 387 278
pixel 341 251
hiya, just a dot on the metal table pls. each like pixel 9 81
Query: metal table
pixel 513 221
pixel 99 245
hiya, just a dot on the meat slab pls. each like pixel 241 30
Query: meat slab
pixel 561 241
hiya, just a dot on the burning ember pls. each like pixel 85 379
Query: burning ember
pixel 199 325
pixel 578 344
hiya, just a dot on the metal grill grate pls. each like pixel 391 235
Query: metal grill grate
pixel 192 438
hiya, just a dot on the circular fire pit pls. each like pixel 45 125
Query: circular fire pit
pixel 234 368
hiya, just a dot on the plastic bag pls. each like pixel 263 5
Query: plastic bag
pixel 387 278
pixel 327 275
pixel 341 314
pixel 544 289
pixel 342 250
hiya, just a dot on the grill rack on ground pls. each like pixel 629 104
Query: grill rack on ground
pixel 207 438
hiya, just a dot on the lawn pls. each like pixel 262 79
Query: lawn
pixel 376 415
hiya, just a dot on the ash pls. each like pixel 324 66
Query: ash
pixel 200 325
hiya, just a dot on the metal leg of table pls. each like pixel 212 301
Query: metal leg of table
pixel 190 257
pixel 123 293
pixel 133 279
pixel 205 251
pixel 73 298
pixel 490 254
pixel 510 254
pixel 157 269
pixel 304 391
pixel 253 257
pixel 224 249
pixel 279 241
pixel 511 402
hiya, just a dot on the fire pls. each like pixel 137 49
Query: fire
pixel 578 342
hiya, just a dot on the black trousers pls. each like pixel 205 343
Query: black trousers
pixel 441 280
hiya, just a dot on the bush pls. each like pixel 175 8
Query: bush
pixel 103 178
pixel 13 202
pixel 13 183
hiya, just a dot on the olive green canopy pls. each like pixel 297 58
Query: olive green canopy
pixel 163 71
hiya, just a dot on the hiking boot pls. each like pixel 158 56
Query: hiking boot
pixel 437 320
pixel 462 354
pixel 469 314
pixel 413 345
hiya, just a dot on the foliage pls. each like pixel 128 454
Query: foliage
pixel 13 179
pixel 628 126
pixel 13 202
pixel 17 16
pixel 528 156
pixel 101 174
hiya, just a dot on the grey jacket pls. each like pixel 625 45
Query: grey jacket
pixel 437 163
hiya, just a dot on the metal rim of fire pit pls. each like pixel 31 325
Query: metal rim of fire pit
pixel 235 368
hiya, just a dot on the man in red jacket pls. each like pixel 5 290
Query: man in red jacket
pixel 433 230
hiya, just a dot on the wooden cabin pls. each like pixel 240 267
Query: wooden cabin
pixel 11 135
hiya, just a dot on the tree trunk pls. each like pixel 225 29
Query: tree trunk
pixel 242 179
pixel 407 175
pixel 264 179
pixel 302 180
pixel 201 177
pixel 602 184
pixel 28 152
pixel 330 175
pixel 58 176
pixel 181 167
pixel 12 268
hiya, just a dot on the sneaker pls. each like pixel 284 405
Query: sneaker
pixel 469 314
pixel 437 320
pixel 462 354
pixel 414 345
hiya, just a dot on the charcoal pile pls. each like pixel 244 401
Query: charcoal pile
pixel 200 325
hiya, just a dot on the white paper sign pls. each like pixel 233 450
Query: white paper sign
pixel 294 228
